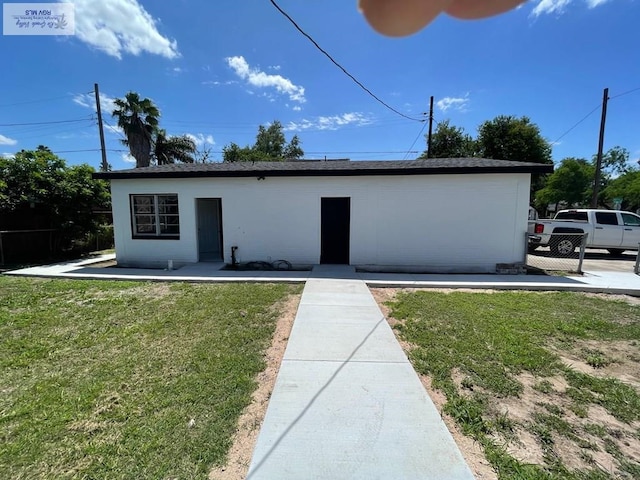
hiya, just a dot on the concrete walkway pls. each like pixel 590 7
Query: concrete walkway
pixel 347 403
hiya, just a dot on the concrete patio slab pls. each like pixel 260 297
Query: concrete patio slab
pixel 626 283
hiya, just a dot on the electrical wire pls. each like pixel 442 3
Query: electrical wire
pixel 43 123
pixel 38 101
pixel 625 93
pixel 286 15
pixel 114 129
pixel 578 123
pixel 414 142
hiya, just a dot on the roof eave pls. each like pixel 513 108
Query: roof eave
pixel 540 169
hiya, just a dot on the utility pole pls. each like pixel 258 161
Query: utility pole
pixel 603 120
pixel 104 166
pixel 430 128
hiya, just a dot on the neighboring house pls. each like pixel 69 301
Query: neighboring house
pixel 440 215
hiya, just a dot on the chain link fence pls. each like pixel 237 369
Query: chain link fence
pixel 27 246
pixel 562 252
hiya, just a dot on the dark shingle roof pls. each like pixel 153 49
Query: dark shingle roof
pixel 309 168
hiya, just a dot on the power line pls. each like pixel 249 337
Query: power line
pixel 593 111
pixel 578 123
pixel 113 129
pixel 39 133
pixel 90 150
pixel 77 151
pixel 414 142
pixel 340 66
pixel 38 101
pixel 43 123
pixel 625 93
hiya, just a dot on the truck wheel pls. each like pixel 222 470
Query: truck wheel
pixel 563 247
pixel 615 251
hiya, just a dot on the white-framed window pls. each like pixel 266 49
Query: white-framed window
pixel 155 216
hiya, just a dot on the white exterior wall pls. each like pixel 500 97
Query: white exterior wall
pixel 439 222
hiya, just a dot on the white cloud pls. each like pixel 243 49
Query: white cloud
pixel 121 26
pixel 113 129
pixel 559 6
pixel 333 122
pixel 259 79
pixel 296 108
pixel 88 100
pixel 7 141
pixel 595 3
pixel 201 139
pixel 127 158
pixel 217 83
pixel 550 6
pixel 278 67
pixel 7 155
pixel 455 103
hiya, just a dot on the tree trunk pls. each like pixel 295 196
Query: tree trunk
pixel 140 147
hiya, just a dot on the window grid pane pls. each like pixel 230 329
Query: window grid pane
pixel 156 215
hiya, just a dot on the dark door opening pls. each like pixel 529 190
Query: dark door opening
pixel 335 226
pixel 209 213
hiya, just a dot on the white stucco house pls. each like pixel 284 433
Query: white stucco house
pixel 440 215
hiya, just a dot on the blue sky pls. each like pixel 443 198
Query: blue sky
pixel 219 69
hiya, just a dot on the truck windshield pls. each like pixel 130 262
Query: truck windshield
pixel 572 216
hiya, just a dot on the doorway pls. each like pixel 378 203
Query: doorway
pixel 335 226
pixel 209 212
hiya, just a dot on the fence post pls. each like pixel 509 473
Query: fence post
pixel 583 244
pixel 526 247
pixel 637 267
pixel 1 251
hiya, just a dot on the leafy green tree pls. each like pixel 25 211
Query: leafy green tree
pixel 510 138
pixel 516 139
pixel 171 149
pixel 615 162
pixel 571 183
pixel 38 190
pixel 138 119
pixel 270 146
pixel 294 149
pixel 449 141
pixel 626 187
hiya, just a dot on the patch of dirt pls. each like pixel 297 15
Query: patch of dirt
pixel 621 298
pixel 239 456
pixel 584 450
pixel 525 447
pixel 622 358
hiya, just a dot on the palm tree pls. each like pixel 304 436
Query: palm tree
pixel 173 149
pixel 139 121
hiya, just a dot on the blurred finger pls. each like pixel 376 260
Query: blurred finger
pixel 397 18
pixel 470 9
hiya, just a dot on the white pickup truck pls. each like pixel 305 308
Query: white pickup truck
pixel 613 230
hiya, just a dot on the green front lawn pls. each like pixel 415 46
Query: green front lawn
pixel 494 353
pixel 104 379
